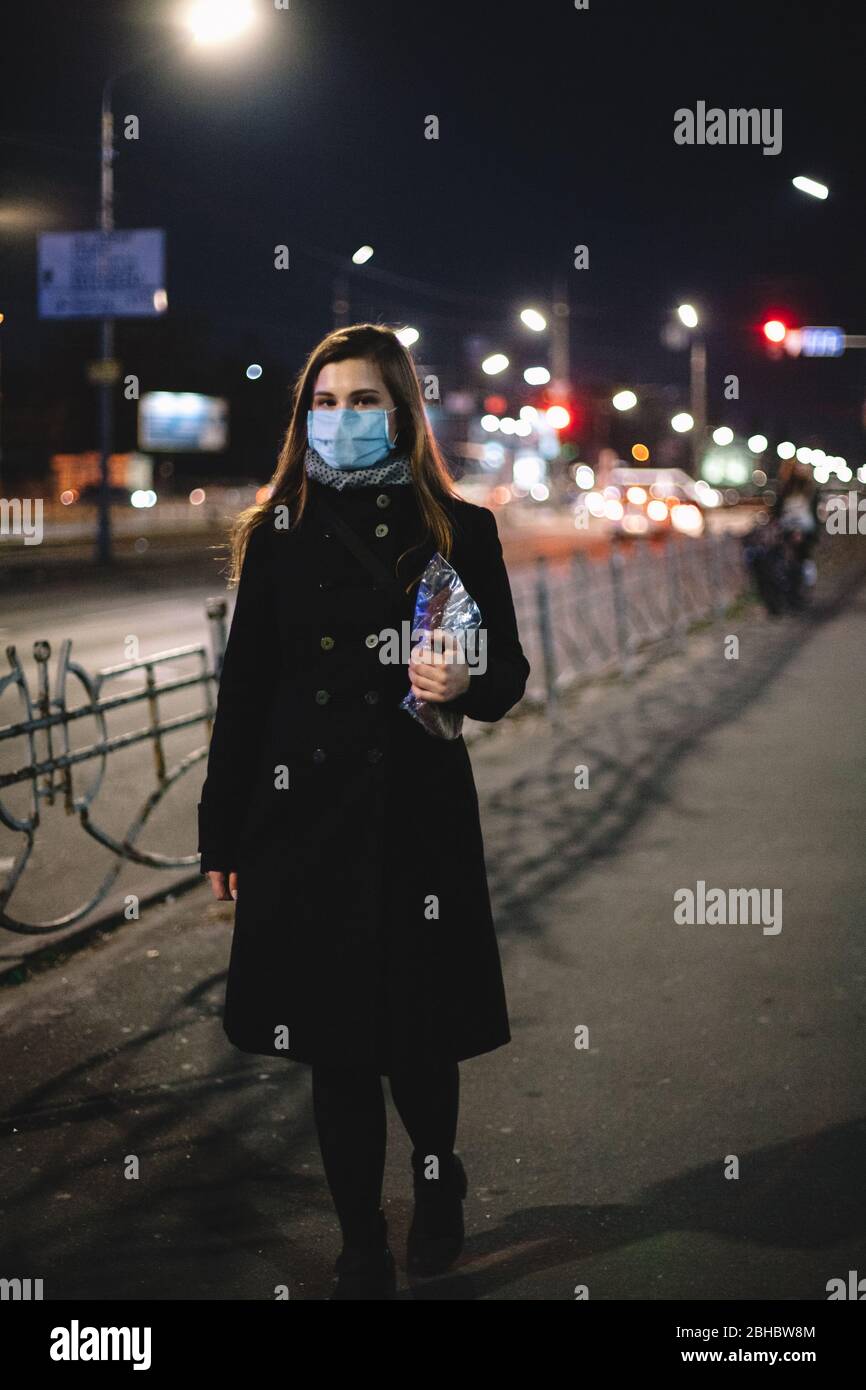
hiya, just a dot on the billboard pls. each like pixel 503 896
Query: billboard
pixel 83 275
pixel 182 422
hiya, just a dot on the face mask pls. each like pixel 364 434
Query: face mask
pixel 350 438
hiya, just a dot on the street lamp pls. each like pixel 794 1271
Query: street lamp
pixel 533 319
pixel 810 186
pixel 557 322
pixel 688 316
pixel 209 22
pixel 682 422
pixel 217 21
pixel 536 376
pixel 340 288
pixel 494 364
pixel 624 400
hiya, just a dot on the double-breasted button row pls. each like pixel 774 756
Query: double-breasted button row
pixel 323 696
pixel 374 755
pixel 371 641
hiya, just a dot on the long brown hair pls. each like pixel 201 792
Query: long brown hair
pixel 414 437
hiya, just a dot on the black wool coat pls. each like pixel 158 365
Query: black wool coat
pixel 363 929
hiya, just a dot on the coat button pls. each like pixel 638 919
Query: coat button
pixel 319 755
pixel 381 530
pixel 383 500
pixel 322 697
pixel 326 643
pixel 372 697
pixel 327 535
pixel 373 755
pixel 371 640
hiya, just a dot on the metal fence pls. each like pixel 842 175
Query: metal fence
pixel 578 620
pixel 53 767
pixel 586 618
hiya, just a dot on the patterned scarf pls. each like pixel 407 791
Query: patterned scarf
pixel 396 470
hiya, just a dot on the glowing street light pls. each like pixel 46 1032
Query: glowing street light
pixel 811 186
pixel 533 319
pixel 624 400
pixel 536 376
pixel 786 450
pixel 407 336
pixel 490 423
pixel 723 435
pixel 758 443
pixel 557 417
pixel 682 422
pixel 494 364
pixel 362 255
pixel 688 315
pixel 218 21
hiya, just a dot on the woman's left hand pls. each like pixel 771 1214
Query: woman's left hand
pixel 438 675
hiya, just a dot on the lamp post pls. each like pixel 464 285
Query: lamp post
pixel 340 288
pixel 560 355
pixel 2 317
pixel 209 22
pixel 106 334
pixel 689 317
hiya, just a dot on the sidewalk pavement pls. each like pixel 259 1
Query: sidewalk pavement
pixel 601 1166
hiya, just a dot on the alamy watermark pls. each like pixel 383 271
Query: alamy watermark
pixel 466 647
pixel 21 518
pixel 721 907
pixel 737 126
pixel 845 515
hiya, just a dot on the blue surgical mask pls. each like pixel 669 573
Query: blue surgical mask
pixel 350 438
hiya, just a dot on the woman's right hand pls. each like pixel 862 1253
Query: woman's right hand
pixel 222 891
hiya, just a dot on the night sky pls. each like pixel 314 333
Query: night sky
pixel 556 128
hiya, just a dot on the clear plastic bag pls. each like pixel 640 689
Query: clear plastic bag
pixel 442 604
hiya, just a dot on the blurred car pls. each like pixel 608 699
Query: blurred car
pixel 650 502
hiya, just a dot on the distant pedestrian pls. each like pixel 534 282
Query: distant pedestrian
pixel 796 512
pixel 349 835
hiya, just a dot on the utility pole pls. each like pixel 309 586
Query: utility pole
pixel 340 301
pixel 106 386
pixel 698 380
pixel 560 352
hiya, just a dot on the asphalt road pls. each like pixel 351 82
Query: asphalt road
pixel 710 1049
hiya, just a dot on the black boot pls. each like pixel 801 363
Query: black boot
pixel 436 1233
pixel 366 1269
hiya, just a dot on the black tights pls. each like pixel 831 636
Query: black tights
pixel 349 1110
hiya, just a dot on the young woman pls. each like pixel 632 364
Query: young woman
pixel 347 834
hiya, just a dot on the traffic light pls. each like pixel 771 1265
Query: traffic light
pixel 775 331
pixel 563 412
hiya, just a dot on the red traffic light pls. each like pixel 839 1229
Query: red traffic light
pixel 775 331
